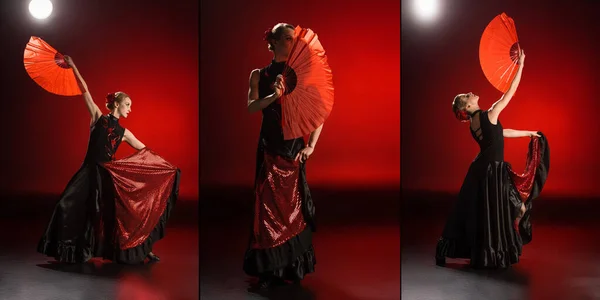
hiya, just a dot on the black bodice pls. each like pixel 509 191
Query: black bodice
pixel 105 137
pixel 490 138
pixel 271 133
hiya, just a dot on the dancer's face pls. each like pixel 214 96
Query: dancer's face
pixel 470 99
pixel 124 108
pixel 283 46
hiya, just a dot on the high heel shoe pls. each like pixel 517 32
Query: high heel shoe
pixel 152 257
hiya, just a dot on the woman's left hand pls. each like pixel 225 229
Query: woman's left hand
pixel 534 134
pixel 304 154
pixel 69 61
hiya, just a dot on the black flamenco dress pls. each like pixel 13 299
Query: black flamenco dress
pixel 281 239
pixel 114 209
pixel 484 225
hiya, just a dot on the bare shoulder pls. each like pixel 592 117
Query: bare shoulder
pixel 254 75
pixel 492 115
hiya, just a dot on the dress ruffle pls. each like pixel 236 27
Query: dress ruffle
pixel 289 261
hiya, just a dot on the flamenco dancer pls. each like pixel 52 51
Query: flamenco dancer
pixel 280 245
pixel 97 216
pixel 491 220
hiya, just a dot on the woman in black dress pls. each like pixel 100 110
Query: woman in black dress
pixel 98 217
pixel 281 241
pixel 491 220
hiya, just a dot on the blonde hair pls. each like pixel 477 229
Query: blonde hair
pixel 115 97
pixel 275 34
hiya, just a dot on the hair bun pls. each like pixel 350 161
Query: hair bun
pixel 268 35
pixel 462 115
pixel 110 97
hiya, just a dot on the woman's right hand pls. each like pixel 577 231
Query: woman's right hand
pixel 521 57
pixel 278 86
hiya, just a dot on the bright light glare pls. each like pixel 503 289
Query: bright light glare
pixel 40 9
pixel 427 9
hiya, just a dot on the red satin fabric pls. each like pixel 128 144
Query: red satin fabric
pixel 524 182
pixel 278 211
pixel 143 183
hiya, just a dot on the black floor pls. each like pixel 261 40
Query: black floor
pixel 25 274
pixel 357 246
pixel 561 262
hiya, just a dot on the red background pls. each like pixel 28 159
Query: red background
pixel 557 94
pixel 147 49
pixel 360 142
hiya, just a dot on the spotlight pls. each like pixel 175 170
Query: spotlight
pixel 40 9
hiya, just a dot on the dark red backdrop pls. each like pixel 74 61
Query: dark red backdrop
pixel 557 94
pixel 148 49
pixel 360 142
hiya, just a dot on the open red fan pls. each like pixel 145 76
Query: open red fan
pixel 499 52
pixel 49 69
pixel 308 97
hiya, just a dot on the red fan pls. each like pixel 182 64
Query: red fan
pixel 49 69
pixel 308 97
pixel 499 52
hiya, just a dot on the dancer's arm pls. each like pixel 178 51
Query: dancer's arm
pixel 314 137
pixel 497 107
pixel 305 153
pixel 511 133
pixel 255 104
pixel 95 112
pixel 132 140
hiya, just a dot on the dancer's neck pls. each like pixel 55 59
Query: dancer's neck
pixel 475 110
pixel 279 58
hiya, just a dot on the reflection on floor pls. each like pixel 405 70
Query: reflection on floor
pixel 25 274
pixel 357 247
pixel 560 263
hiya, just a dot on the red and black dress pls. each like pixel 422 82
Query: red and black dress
pixel 281 240
pixel 483 225
pixel 114 209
